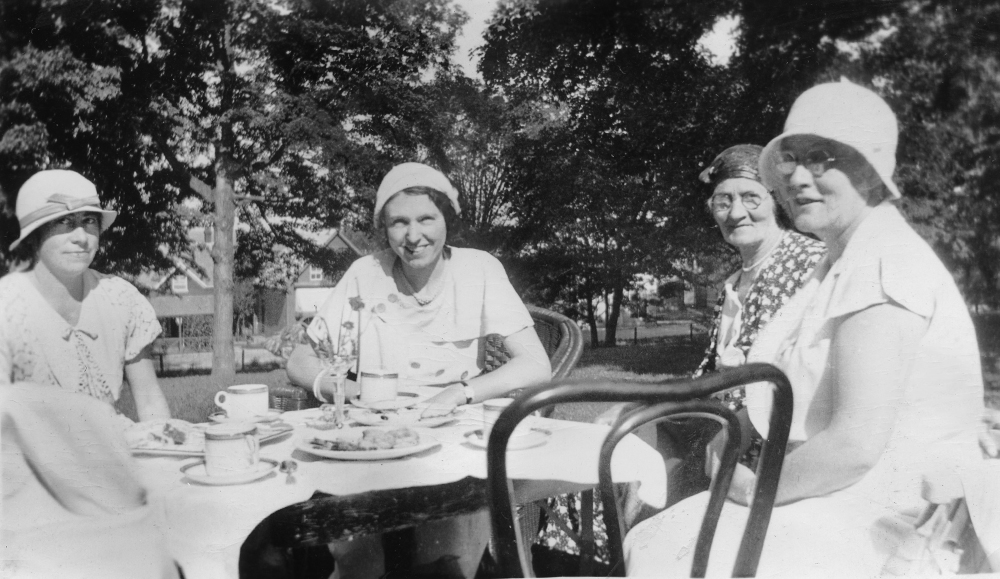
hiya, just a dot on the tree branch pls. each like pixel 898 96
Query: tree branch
pixel 184 176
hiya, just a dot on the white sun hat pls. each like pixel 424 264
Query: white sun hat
pixel 49 195
pixel 408 175
pixel 846 113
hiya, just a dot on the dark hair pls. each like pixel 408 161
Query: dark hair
pixel 452 222
pixel 26 252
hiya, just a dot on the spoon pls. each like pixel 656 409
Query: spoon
pixel 288 467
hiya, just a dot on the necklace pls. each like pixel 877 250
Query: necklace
pixel 397 269
pixel 755 264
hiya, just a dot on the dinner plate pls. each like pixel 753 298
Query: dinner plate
pixel 267 433
pixel 403 400
pixel 425 442
pixel 534 437
pixel 271 416
pixel 400 417
pixel 197 472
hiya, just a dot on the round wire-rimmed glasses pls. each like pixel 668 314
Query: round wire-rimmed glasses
pixel 816 161
pixel 723 202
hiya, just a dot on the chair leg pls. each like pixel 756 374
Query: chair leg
pixel 588 547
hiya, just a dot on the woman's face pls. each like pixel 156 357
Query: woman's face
pixel 416 230
pixel 742 224
pixel 836 199
pixel 68 244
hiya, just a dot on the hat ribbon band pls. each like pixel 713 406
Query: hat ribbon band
pixel 59 203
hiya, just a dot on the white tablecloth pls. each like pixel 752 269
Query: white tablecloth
pixel 206 525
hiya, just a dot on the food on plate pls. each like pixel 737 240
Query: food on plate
pixel 371 439
pixel 165 434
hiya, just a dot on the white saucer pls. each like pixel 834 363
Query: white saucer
pixel 403 400
pixel 535 437
pixel 196 472
pixel 221 417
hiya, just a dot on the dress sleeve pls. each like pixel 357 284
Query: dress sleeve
pixel 142 326
pixel 503 311
pixel 897 277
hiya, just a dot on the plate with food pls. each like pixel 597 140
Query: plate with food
pixel 402 400
pixel 530 439
pixel 177 437
pixel 369 443
pixel 399 417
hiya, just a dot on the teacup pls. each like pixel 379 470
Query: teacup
pixel 491 412
pixel 231 448
pixel 243 401
pixel 379 386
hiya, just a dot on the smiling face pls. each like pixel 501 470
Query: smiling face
pixel 68 245
pixel 742 227
pixel 416 230
pixel 834 202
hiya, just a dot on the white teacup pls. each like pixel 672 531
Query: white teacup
pixel 243 401
pixel 231 448
pixel 491 412
pixel 379 386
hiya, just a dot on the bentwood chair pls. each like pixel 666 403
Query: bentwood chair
pixel 694 409
pixel 511 550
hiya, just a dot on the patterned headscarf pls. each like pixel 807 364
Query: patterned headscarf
pixel 736 161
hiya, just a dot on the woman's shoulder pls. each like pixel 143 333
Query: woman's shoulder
pixel 117 290
pixel 466 257
pixel 12 289
pixel 890 263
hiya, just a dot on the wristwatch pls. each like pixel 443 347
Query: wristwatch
pixel 470 394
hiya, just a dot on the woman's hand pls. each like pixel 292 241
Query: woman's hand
pixel 445 401
pixel 990 440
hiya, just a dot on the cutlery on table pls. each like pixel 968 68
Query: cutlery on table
pixel 288 467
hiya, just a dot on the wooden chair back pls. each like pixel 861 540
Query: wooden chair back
pixel 708 409
pixel 513 559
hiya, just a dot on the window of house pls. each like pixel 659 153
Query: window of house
pixel 179 284
pixel 209 232
pixel 315 273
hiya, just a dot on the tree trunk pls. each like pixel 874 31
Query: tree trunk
pixel 223 256
pixel 592 322
pixel 613 311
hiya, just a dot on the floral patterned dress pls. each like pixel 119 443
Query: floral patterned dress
pixel 782 275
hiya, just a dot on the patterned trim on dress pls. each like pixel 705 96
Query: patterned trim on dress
pixel 784 273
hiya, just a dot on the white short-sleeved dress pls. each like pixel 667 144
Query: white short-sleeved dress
pixel 426 344
pixel 854 531
pixel 37 345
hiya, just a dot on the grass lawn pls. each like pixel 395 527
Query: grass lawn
pixel 191 396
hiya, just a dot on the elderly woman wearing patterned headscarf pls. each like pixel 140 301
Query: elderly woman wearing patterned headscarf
pixel 776 261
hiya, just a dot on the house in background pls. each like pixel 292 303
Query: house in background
pixel 279 307
pixel 184 292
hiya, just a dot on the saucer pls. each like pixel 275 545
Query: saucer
pixel 403 400
pixel 221 417
pixel 196 471
pixel 535 437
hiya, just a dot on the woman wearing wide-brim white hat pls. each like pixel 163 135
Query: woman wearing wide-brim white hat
pixel 63 323
pixel 880 351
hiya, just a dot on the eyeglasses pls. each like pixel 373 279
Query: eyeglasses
pixel 816 161
pixel 723 202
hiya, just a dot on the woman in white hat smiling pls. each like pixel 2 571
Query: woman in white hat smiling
pixel 880 351
pixel 63 323
pixel 418 310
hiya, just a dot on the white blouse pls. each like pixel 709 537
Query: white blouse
pixel 430 344
pixel 37 345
